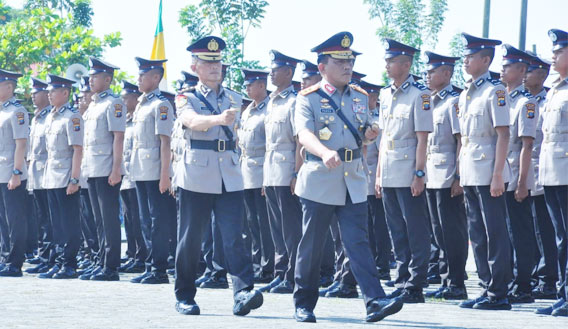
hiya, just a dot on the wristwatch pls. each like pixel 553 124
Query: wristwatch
pixel 74 181
pixel 456 176
pixel 420 173
pixel 17 172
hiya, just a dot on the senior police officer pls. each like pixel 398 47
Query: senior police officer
pixel 150 168
pixel 211 181
pixel 523 118
pixel 105 122
pixel 443 190
pixel 331 118
pixel 484 124
pixel 553 164
pixel 252 141
pixel 136 247
pixel 281 164
pixel 14 129
pixel 64 143
pixel 37 156
pixel 406 119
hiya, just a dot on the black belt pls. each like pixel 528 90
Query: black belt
pixel 346 155
pixel 218 145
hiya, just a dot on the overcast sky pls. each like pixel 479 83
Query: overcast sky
pixel 295 26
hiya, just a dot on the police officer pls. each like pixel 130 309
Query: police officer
pixel 523 114
pixel 546 269
pixel 553 164
pixel 136 247
pixel 104 137
pixel 310 74
pixel 330 119
pixel 484 124
pixel 406 120
pixel 150 168
pixel 64 143
pixel 14 126
pixel 282 162
pixel 37 156
pixel 443 190
pixel 212 182
pixel 252 141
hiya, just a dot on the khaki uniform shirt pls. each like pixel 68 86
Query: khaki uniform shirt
pixel 252 142
pixel 127 183
pixel 37 152
pixel 540 99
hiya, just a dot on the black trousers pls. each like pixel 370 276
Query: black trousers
pixel 487 225
pixel 135 242
pixel 195 213
pixel 14 205
pixel 33 225
pixel 259 228
pixel 407 220
pixel 379 234
pixel 44 224
pixel 212 250
pixel 285 216
pixel 65 221
pixel 449 225
pixel 546 270
pixel 556 201
pixel 106 209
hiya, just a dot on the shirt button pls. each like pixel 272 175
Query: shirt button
pixel 344 126
pixel 394 98
pixel 220 159
pixel 283 158
pixel 342 103
pixel 483 156
pixel 346 174
pixel 147 156
pixel 468 97
pixel 406 156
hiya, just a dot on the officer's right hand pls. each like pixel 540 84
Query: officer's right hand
pixel 72 188
pixel 14 182
pixel 378 190
pixel 228 117
pixel 331 159
pixel 497 187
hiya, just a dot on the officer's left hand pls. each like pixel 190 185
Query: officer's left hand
pixel 114 178
pixel 14 182
pixel 293 185
pixel 72 188
pixel 521 193
pixel 417 186
pixel 456 189
pixel 372 132
pixel 165 185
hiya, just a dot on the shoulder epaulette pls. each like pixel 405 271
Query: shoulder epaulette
pixel 495 81
pixel 359 89
pixel 295 93
pixel 454 93
pixel 162 97
pixel 74 110
pixel 309 90
pixel 419 86
pixel 527 94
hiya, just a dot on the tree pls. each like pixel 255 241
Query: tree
pixel 80 10
pixel 232 20
pixel 457 47
pixel 412 22
pixel 39 41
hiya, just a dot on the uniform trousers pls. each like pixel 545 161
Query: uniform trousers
pixel 135 242
pixel 66 226
pixel 556 197
pixel 14 206
pixel 546 270
pixel 261 240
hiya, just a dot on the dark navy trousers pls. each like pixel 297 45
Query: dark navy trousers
pixel 557 203
pixel 66 226
pixel 259 227
pixel 14 205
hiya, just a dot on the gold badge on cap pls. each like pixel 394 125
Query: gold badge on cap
pixel 324 134
pixel 346 42
pixel 213 45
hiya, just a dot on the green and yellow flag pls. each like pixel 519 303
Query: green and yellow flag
pixel 159 48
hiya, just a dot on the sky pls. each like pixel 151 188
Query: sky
pixel 295 26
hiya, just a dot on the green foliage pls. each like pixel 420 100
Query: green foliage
pixel 80 10
pixel 232 21
pixel 39 41
pixel 414 22
pixel 457 46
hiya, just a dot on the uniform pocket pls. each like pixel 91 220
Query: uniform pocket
pixel 441 159
pixel 194 159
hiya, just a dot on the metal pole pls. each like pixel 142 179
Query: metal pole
pixel 523 31
pixel 486 11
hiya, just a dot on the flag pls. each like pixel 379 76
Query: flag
pixel 159 48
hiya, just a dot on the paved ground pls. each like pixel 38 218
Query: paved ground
pixel 30 302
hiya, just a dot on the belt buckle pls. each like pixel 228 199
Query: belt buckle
pixel 348 155
pixel 390 145
pixel 220 145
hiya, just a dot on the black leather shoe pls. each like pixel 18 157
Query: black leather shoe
pixel 548 310
pixel 493 304
pixel 187 308
pixel 33 261
pixel 11 271
pixel 245 301
pixel 561 311
pixel 202 279
pixel 106 275
pixel 325 281
pixel 40 268
pixel 544 292
pixel 396 293
pixel 436 293
pixel 156 278
pixel 124 259
pixel 2 266
pixel 84 264
pixel 304 315
pixel 171 271
pixel 271 285
pixel 434 279
pixel 86 269
pixel 66 273
pixel 126 265
pixel 215 283
pixel 333 286
pixel 378 309
pixel 343 291
pixel 49 274
pixel 262 277
pixel 139 278
pixel 470 302
pixel 454 293
pixel 285 287
pixel 136 267
pixel 389 283
pixel 520 297
pixel 95 271
pixel 412 296
pixel 384 276
pixel 86 274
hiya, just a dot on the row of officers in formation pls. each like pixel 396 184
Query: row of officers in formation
pixel 307 192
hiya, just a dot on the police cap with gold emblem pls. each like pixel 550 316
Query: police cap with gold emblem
pixel 513 55
pixel 251 76
pixel 98 66
pixel 394 48
pixel 189 79
pixel 338 46
pixel 38 85
pixel 145 65
pixel 56 81
pixel 476 44
pixel 8 75
pixel 309 69
pixel 208 48
pixel 434 60
pixel 129 88
pixel 279 59
pixel 538 63
pixel 559 38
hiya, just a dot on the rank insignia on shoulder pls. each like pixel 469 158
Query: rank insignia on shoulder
pixel 181 101
pixel 500 98
pixel 309 90
pixel 425 102
pixel 21 118
pixel 359 89
pixel 494 81
pixel 419 86
pixel 151 96
pixel 76 124
pixel 118 110
pixel 61 110
pixel 7 104
pixel 530 110
pixel 104 94
pixel 163 113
